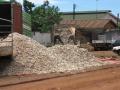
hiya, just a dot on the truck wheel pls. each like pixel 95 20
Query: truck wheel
pixel 95 48
pixel 118 52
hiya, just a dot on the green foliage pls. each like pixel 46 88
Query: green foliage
pixel 45 16
pixel 28 6
pixel 12 0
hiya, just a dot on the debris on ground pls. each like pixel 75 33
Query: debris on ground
pixel 32 57
pixel 110 59
pixel 89 47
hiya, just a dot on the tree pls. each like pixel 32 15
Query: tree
pixel 28 6
pixel 45 16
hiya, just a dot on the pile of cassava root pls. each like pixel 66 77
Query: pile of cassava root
pixel 32 57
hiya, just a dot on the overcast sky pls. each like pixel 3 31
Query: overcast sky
pixel 83 5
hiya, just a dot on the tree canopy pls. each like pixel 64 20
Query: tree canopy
pixel 28 6
pixel 45 16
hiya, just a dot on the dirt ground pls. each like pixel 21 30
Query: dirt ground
pixel 105 54
pixel 106 79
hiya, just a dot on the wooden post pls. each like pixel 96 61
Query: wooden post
pixel 74 7
pixel 52 35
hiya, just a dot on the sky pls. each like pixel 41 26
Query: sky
pixel 83 5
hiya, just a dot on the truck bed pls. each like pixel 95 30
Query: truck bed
pixel 102 44
pixel 101 41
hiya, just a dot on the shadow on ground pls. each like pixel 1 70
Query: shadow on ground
pixel 4 62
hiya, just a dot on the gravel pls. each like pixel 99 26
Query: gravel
pixel 32 57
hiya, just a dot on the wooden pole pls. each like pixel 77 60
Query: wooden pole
pixel 74 7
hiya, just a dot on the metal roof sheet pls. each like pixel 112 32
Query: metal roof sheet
pixel 87 24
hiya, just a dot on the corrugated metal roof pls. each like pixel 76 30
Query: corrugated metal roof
pixel 88 24
pixel 84 16
pixel 88 15
pixel 87 12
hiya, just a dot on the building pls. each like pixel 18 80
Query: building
pixel 88 24
pixel 85 30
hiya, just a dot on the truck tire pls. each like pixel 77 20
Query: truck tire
pixel 95 48
pixel 118 52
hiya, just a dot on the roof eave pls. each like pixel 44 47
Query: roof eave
pixel 86 12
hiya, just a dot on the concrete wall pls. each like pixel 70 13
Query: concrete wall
pixel 42 38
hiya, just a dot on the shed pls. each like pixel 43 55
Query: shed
pixel 87 30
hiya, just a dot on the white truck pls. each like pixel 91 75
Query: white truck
pixel 106 40
pixel 116 46
pixel 102 44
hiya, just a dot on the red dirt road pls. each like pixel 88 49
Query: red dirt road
pixel 106 79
